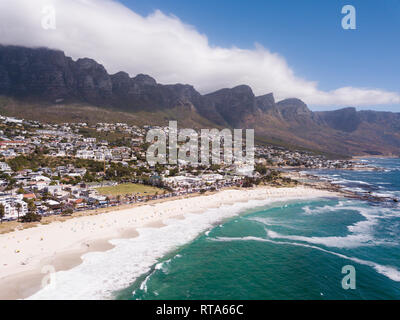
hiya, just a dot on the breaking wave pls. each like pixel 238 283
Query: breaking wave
pixel 388 271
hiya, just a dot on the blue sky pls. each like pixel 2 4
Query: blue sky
pixel 302 50
pixel 307 33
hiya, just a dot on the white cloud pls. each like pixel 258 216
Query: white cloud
pixel 167 49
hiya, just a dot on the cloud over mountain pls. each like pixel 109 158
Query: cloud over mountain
pixel 166 48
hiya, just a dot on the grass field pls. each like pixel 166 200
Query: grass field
pixel 129 188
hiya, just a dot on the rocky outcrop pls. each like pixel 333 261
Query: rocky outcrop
pixel 296 111
pixel 347 119
pixel 266 104
pixel 233 105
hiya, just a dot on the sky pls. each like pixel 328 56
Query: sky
pixel 292 48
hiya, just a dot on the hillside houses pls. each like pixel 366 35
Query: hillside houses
pixel 58 166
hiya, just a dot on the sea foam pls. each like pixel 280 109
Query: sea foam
pixel 101 274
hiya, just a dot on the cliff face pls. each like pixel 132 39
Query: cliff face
pixel 347 119
pixel 26 72
pixel 267 105
pixel 233 105
pixel 49 77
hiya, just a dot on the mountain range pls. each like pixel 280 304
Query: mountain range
pixel 45 84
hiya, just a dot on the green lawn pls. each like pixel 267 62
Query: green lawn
pixel 129 188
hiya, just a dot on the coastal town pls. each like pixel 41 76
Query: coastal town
pixel 59 169
pixel 190 157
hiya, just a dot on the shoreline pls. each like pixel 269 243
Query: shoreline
pixel 62 245
pixel 316 183
pixel 357 158
pixel 13 226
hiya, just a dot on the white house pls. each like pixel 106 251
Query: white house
pixel 11 209
pixel 85 154
pixel 40 178
pixel 5 167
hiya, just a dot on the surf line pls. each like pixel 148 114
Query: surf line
pixel 390 272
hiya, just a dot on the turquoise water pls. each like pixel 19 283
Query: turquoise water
pixel 292 250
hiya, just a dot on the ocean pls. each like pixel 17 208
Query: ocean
pixel 291 250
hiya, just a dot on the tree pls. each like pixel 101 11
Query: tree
pixel 18 206
pixel 2 212
pixel 31 206
pixel 11 183
pixel 261 169
pixel 173 172
pixel 248 182
pixel 88 177
pixel 31 217
pixel 67 211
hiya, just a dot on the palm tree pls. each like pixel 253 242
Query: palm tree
pixel 2 212
pixel 18 206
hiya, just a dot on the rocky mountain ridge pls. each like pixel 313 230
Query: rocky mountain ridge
pixel 49 77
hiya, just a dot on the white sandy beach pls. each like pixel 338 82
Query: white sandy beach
pixel 61 245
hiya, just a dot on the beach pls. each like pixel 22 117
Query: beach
pixel 28 255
